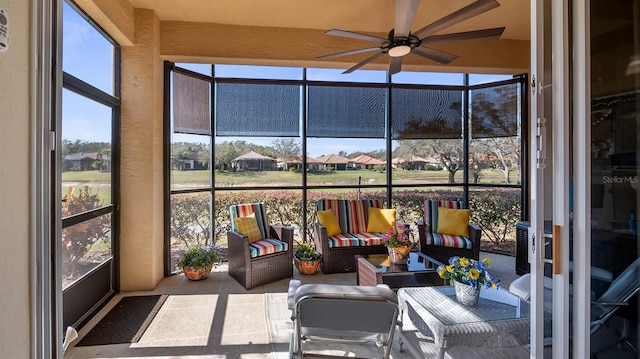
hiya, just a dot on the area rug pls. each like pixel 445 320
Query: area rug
pixel 125 322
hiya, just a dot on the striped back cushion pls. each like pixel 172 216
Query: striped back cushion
pixel 242 210
pixel 431 211
pixel 351 213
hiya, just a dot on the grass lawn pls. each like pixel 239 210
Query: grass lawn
pixel 100 182
pixel 200 178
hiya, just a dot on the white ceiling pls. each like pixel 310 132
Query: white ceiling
pixel 370 16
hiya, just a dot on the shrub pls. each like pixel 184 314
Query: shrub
pixel 78 239
pixel 190 221
pixel 496 211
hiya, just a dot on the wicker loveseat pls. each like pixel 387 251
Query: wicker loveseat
pixel 338 250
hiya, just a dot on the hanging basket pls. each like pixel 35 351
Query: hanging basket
pixel 465 294
pixel 399 255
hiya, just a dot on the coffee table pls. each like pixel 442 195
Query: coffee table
pixel 375 269
pixel 500 319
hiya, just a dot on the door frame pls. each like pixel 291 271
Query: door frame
pixel 569 97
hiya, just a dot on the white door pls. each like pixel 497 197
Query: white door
pixel 584 174
pixel 550 178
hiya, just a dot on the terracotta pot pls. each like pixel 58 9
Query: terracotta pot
pixel 399 255
pixel 307 266
pixel 197 273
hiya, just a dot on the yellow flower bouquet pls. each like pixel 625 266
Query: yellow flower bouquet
pixel 469 271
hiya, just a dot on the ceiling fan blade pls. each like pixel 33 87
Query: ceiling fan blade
pixel 475 8
pixel 352 52
pixel 395 65
pixel 434 55
pixel 355 35
pixel 405 11
pixel 486 34
pixel 363 62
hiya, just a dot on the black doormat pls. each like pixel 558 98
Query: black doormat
pixel 125 322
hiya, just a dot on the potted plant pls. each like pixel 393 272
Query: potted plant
pixel 196 262
pixel 306 258
pixel 399 243
pixel 468 276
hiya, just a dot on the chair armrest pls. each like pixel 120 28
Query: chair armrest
pixel 474 236
pixel 320 238
pixel 422 235
pixel 294 284
pixel 238 244
pixel 282 233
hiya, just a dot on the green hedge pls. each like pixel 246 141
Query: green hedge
pixel 496 211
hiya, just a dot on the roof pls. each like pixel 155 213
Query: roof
pixel 251 155
pixel 333 159
pixel 367 160
pixel 297 159
pixel 80 156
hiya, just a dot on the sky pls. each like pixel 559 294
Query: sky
pixel 88 56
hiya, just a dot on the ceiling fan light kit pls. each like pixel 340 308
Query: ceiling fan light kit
pixel 401 41
pixel 399 50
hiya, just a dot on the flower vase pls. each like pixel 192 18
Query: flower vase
pixel 399 255
pixel 466 294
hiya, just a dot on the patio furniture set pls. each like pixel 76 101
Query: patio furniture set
pixel 350 235
pixel 349 240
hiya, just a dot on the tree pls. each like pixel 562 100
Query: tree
pixel 77 146
pixel 226 151
pixel 189 151
pixel 287 149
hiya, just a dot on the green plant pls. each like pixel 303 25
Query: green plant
pixel 469 271
pixel 306 251
pixel 78 239
pixel 198 257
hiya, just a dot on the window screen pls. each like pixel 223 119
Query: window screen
pixel 191 98
pixel 426 113
pixel 271 110
pixel 346 112
pixel 495 111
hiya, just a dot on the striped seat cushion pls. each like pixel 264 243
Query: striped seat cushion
pixel 355 239
pixel 266 246
pixel 445 240
pixel 351 213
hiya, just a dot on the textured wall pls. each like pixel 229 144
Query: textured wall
pixel 15 317
pixel 141 235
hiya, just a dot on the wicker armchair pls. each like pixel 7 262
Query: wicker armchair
pixel 443 246
pixel 266 260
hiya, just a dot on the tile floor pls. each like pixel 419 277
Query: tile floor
pixel 217 318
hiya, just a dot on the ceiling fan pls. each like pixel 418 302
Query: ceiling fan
pixel 401 41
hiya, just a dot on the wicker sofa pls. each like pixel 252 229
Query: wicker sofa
pixel 338 251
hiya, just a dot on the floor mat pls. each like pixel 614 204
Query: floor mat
pixel 125 322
